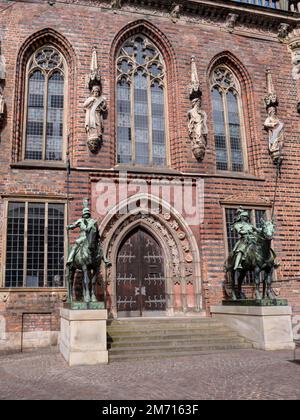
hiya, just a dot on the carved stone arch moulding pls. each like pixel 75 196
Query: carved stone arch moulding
pixel 229 60
pixel 161 42
pixel 172 233
pixel 46 36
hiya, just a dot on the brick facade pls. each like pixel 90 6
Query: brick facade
pixel 74 28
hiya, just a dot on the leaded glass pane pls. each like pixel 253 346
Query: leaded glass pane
pixel 158 125
pixel 55 272
pixel 44 127
pixel 55 117
pixel 35 116
pixel 124 122
pixel 219 128
pixel 227 120
pixel 140 92
pixel 235 132
pixel 35 245
pixel 141 110
pixel 15 245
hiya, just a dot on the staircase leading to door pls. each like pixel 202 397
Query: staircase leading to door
pixel 148 338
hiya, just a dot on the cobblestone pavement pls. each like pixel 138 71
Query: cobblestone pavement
pixel 246 374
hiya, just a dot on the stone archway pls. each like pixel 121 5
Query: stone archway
pixel 168 227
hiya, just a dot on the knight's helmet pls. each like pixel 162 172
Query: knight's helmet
pixel 241 213
pixel 86 209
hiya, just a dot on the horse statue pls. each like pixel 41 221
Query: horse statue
pixel 86 255
pixel 252 253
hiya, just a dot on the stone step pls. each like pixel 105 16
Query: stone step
pixel 176 335
pixel 164 321
pixel 159 348
pixel 132 354
pixel 163 327
pixel 178 343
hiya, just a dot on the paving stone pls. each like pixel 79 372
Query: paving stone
pixel 238 374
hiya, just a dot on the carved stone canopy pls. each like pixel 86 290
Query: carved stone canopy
pixel 271 99
pixel 195 89
pixel 94 77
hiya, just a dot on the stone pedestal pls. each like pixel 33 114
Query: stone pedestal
pixel 83 338
pixel 268 328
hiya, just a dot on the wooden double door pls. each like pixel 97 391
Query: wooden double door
pixel 141 284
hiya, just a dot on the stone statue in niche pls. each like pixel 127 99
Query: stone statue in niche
pixel 197 118
pixel 95 107
pixel 273 125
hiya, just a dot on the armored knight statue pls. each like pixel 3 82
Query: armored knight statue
pixel 86 255
pixel 273 125
pixel 252 253
pixel 247 234
pixel 197 118
pixel 95 107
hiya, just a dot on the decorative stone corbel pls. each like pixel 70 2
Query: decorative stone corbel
pixel 116 4
pixel 231 21
pixel 273 125
pixel 95 107
pixel 175 12
pixel 283 31
pixel 4 296
pixel 197 124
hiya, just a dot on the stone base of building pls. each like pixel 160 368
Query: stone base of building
pixel 83 338
pixel 268 328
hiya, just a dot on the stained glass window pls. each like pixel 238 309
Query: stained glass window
pixel 227 120
pixel 45 105
pixel 141 132
pixel 35 245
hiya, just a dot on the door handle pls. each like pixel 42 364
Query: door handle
pixel 140 291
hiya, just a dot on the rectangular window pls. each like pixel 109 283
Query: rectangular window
pixel 35 245
pixel 232 237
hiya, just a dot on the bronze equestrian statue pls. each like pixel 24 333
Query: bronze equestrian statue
pixel 253 253
pixel 86 255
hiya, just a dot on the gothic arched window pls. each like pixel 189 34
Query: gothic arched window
pixel 141 111
pixel 44 113
pixel 227 118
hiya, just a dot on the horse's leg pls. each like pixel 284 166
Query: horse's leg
pixel 86 280
pixel 70 280
pixel 233 273
pixel 242 274
pixel 94 281
pixel 264 284
pixel 257 283
pixel 268 281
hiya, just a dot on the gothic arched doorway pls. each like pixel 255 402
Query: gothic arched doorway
pixel 140 282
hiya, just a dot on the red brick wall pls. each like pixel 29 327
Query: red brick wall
pixel 76 29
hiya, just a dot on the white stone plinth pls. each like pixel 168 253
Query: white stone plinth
pixel 267 327
pixel 83 338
